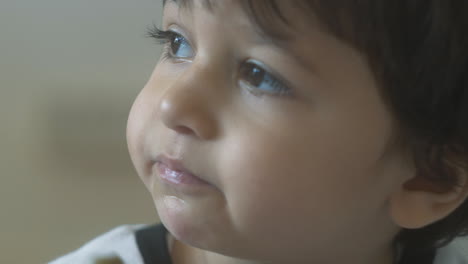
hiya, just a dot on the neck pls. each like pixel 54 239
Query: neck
pixel 184 254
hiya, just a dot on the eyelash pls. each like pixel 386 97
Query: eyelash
pixel 160 35
pixel 166 38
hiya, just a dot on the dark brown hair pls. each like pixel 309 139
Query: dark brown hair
pixel 418 51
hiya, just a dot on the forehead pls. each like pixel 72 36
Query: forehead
pixel 275 20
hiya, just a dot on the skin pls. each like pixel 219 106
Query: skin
pixel 309 177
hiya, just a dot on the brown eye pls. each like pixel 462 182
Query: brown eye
pixel 256 77
pixel 179 46
pixel 252 74
pixel 175 44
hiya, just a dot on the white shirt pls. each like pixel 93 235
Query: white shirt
pixel 120 243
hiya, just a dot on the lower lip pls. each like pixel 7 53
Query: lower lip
pixel 178 178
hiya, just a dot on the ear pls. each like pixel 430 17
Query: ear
pixel 420 202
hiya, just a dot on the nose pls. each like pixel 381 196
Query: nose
pixel 188 106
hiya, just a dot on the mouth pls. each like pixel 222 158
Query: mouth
pixel 172 172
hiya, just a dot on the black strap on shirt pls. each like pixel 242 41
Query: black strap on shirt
pixel 417 257
pixel 152 244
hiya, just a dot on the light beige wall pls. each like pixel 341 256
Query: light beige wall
pixel 69 71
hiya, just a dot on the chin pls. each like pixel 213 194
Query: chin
pixel 178 221
pixel 186 229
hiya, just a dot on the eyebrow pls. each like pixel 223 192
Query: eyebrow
pixel 267 37
pixel 188 4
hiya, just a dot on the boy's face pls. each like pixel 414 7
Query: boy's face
pixel 310 169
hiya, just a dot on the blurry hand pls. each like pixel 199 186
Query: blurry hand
pixel 112 260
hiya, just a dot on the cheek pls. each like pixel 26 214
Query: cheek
pixel 260 176
pixel 138 121
pixel 271 180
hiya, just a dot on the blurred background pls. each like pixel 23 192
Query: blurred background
pixel 69 72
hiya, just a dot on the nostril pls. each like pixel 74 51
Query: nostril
pixel 183 130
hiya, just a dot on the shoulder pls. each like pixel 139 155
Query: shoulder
pixel 115 246
pixel 456 252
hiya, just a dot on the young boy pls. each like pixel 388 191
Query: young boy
pixel 302 132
